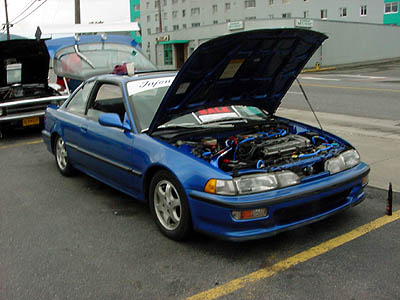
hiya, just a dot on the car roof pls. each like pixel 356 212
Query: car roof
pixel 138 76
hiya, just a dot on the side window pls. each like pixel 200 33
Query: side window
pixel 78 102
pixel 108 99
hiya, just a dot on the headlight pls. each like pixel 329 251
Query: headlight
pixel 344 161
pixel 250 184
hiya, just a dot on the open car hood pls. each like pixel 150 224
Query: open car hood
pixel 31 55
pixel 252 68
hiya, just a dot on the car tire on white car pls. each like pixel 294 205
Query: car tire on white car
pixel 169 206
pixel 61 155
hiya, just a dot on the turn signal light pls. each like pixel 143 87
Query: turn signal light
pixel 250 214
pixel 364 181
pixel 211 186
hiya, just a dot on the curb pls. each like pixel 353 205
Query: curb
pixel 318 69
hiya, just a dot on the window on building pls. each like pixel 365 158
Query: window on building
pixel 148 19
pixel 249 3
pixel 183 13
pixel 195 24
pixel 343 11
pixel 165 16
pixel 271 16
pixel 391 7
pixel 174 1
pixel 184 26
pixel 165 28
pixel 324 13
pixel 227 6
pixel 271 2
pixel 286 15
pixel 306 14
pixel 155 4
pixel 175 27
pixel 214 8
pixel 136 7
pixel 250 18
pixel 215 22
pixel 148 31
pixel 167 54
pixel 157 29
pixel 147 5
pixel 285 1
pixel 156 17
pixel 363 10
pixel 174 14
pixel 165 2
pixel 195 11
pixel 227 20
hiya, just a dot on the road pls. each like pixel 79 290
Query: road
pixel 371 92
pixel 75 238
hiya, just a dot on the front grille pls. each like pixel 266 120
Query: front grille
pixel 300 212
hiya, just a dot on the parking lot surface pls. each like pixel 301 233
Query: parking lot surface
pixel 76 238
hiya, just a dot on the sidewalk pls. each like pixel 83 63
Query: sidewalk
pixel 377 141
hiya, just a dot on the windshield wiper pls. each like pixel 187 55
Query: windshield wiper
pixel 175 127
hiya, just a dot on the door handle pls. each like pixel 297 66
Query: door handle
pixel 84 129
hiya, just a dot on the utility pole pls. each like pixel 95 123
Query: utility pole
pixel 159 15
pixel 77 11
pixel 7 24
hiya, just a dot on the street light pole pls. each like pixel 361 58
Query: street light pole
pixel 77 11
pixel 7 24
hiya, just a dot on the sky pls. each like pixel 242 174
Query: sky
pixel 53 13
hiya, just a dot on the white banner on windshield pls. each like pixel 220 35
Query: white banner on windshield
pixel 139 86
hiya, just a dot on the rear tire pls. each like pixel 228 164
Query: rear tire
pixel 61 155
pixel 169 206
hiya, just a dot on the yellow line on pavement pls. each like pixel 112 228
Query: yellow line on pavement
pixel 351 88
pixel 306 255
pixel 21 144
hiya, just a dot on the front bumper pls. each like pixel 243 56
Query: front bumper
pixel 16 111
pixel 288 208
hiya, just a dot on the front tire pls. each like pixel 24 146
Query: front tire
pixel 169 206
pixel 62 160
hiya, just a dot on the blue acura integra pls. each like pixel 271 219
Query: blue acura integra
pixel 203 146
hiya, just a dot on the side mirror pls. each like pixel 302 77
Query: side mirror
pixel 113 120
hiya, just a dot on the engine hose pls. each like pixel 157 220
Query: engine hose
pixel 215 160
pixel 205 154
pixel 328 147
pixel 260 164
pixel 318 137
pixel 280 131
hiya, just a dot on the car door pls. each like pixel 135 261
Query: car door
pixel 74 122
pixel 109 148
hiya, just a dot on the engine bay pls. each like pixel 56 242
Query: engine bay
pixel 25 92
pixel 269 147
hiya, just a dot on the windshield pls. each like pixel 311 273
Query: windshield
pixel 146 95
pixel 87 60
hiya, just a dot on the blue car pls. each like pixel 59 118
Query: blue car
pixel 203 146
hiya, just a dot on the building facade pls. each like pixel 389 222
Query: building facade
pixel 135 17
pixel 391 12
pixel 172 29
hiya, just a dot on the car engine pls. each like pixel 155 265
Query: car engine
pixel 271 147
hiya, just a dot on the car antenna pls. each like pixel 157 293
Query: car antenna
pixel 309 104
